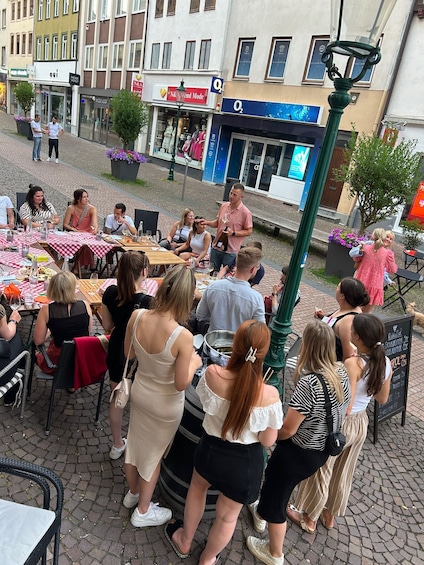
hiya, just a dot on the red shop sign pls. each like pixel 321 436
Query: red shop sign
pixel 192 95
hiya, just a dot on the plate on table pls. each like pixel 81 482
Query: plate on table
pixel 44 273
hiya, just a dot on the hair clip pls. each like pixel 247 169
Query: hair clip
pixel 251 355
pixel 377 344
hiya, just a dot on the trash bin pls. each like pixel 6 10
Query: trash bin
pixel 229 181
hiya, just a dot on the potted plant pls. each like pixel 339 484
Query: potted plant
pixel 340 241
pixel 124 163
pixel 412 233
pixel 129 116
pixel 25 95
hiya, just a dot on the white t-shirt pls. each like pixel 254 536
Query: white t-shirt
pixel 116 227
pixel 54 130
pixel 5 203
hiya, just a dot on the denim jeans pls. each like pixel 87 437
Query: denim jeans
pixel 36 151
pixel 219 258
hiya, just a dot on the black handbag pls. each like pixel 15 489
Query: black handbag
pixel 335 441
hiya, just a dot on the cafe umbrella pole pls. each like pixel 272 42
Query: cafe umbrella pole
pixel 369 53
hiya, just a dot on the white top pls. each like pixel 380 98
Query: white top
pixel 5 203
pixel 54 130
pixel 216 409
pixel 116 227
pixel 36 129
pixel 181 234
pixel 197 243
pixel 361 399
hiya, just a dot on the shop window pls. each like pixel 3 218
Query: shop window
pixel 278 59
pixel 194 6
pixel 30 44
pixel 91 10
pixel 121 7
pixel 40 10
pixel 13 12
pixel 117 55
pixel 38 49
pixel 46 48
pixel 166 57
pixel 74 38
pixel 244 58
pixel 64 46
pixel 18 13
pixel 171 7
pixel 159 9
pixel 65 7
pixel 134 56
pixel 56 9
pixel 189 54
pixel 205 53
pixel 23 51
pixel 75 6
pixel 88 57
pixel 315 68
pixel 210 4
pixel 102 62
pixel 55 49
pixel 138 5
pixel 154 61
pixel 48 3
pixel 105 10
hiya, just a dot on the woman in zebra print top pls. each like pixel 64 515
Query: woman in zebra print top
pixel 300 450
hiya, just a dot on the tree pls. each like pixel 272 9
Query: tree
pixel 25 95
pixel 381 177
pixel 129 115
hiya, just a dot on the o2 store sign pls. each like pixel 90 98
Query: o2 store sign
pixel 272 110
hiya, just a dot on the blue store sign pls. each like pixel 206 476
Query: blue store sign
pixel 273 110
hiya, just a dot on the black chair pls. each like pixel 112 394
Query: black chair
pixel 26 530
pixel 149 219
pixel 13 374
pixel 63 376
pixel 20 199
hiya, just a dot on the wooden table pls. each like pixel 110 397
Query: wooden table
pixel 90 292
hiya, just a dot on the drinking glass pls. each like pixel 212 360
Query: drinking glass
pixel 148 234
pixel 15 302
pixel 225 219
pixel 94 277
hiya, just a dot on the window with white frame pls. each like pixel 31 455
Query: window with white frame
pixel 189 54
pixel 55 47
pixel 65 7
pixel 18 44
pixel 3 56
pixel 205 53
pixel 13 12
pixel 278 58
pixel 102 58
pixel 88 57
pixel 138 6
pixel 74 40
pixel 64 46
pixel 121 7
pixel 18 11
pixel 3 18
pixel 40 10
pixel 25 9
pixel 170 11
pixel 159 9
pixel 48 3
pixel 105 10
pixel 117 55
pixel 75 6
pixel 24 44
pixel 30 44
pixel 154 60
pixel 134 55
pixel 47 48
pixel 91 10
pixel 166 57
pixel 31 7
pixel 194 6
pixel 12 44
pixel 210 4
pixel 56 9
pixel 244 57
pixel 315 68
pixel 38 49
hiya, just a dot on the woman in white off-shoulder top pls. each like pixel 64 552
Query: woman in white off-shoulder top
pixel 242 414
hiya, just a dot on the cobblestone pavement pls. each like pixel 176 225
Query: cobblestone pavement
pixel 385 519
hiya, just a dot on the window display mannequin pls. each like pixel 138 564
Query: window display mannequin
pixel 187 144
pixel 171 141
pixel 199 144
pixel 167 134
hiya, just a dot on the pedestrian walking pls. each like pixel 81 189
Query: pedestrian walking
pixel 55 131
pixel 37 134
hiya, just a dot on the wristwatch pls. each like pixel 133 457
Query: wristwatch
pixel 273 294
pixel 233 234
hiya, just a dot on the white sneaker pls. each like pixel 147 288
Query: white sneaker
pixel 259 525
pixel 57 160
pixel 116 452
pixel 155 516
pixel 130 499
pixel 48 159
pixel 260 549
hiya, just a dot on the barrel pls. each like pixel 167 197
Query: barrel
pixel 177 466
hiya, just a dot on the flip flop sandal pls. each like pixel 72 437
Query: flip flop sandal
pixel 170 529
pixel 299 521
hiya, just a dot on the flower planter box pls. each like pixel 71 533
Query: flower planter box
pixel 24 128
pixel 123 170
pixel 338 262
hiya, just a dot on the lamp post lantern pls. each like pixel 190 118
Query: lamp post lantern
pixel 179 98
pixel 356 27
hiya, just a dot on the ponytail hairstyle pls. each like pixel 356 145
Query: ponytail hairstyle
pixel 354 292
pixel 370 330
pixel 250 345
pixel 378 235
pixel 130 267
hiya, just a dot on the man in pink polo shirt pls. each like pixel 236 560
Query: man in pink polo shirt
pixel 233 223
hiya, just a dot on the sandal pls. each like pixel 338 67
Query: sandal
pixel 170 529
pixel 292 513
pixel 325 523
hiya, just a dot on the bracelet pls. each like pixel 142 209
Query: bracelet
pixel 14 321
pixel 273 294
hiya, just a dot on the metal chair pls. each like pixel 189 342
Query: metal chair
pixel 26 530
pixel 16 375
pixel 63 376
pixel 150 221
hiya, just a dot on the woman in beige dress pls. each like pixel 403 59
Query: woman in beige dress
pixel 166 365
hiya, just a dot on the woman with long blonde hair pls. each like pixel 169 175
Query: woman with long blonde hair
pixel 180 230
pixel 300 450
pixel 242 414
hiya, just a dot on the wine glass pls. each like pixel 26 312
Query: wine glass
pixel 224 219
pixel 126 232
pixel 148 234
pixel 14 302
pixel 94 277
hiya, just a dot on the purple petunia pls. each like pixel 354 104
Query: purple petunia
pixel 125 155
pixel 347 237
pixel 21 118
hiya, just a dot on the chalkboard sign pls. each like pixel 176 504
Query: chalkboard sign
pixel 398 349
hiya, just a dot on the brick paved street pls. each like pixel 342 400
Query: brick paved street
pixel 385 518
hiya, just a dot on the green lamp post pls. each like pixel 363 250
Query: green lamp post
pixel 179 98
pixel 356 27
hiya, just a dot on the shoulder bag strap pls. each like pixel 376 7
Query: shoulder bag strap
pixel 83 214
pixel 327 405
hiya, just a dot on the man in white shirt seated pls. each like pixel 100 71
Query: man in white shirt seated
pixel 118 221
pixel 7 216
pixel 229 302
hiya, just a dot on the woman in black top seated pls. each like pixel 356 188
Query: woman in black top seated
pixel 119 302
pixel 66 318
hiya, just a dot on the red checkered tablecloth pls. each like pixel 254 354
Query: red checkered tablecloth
pixel 69 243
pixel 20 239
pixel 149 285
pixel 14 259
